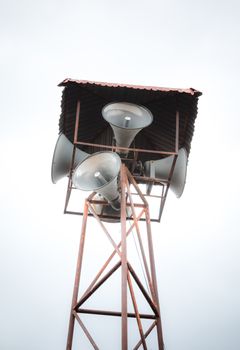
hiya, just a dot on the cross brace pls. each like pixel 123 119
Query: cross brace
pixel 128 274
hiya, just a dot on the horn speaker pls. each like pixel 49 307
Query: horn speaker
pixel 108 210
pixel 99 173
pixel 62 158
pixel 161 168
pixel 126 120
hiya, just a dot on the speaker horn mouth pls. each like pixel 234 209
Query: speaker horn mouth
pixel 126 120
pixel 126 115
pixel 96 171
pixel 161 169
pixel 62 158
pixel 99 173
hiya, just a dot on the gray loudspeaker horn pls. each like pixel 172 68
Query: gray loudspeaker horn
pixel 108 210
pixel 62 158
pixel 126 120
pixel 161 168
pixel 99 173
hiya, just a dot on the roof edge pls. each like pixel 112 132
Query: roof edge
pixel 190 91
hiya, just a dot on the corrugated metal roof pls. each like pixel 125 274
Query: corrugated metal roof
pixel 190 91
pixel 162 102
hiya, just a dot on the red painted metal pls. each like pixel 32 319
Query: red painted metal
pixel 77 277
pixel 124 259
pixel 128 183
pixel 127 271
pixel 164 183
pixel 139 150
pixel 140 328
pixel 190 91
pixel 145 335
pixel 154 278
pixel 85 330
pixel 97 285
pixel 114 313
pixel 77 122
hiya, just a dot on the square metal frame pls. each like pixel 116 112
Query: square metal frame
pixel 163 183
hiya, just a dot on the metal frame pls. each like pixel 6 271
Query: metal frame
pixel 163 183
pixel 130 190
pixel 127 272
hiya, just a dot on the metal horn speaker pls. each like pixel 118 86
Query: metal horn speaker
pixel 99 173
pixel 161 168
pixel 62 158
pixel 108 210
pixel 126 120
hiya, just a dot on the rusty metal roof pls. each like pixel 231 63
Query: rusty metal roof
pixel 190 91
pixel 162 102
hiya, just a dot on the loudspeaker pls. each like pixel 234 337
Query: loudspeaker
pixel 108 210
pixel 160 169
pixel 126 120
pixel 99 173
pixel 62 158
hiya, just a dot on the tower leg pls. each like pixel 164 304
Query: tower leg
pixel 124 262
pixel 77 277
pixel 154 279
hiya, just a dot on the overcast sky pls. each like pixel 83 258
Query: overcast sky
pixel 163 43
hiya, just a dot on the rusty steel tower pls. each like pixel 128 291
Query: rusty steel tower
pixel 126 145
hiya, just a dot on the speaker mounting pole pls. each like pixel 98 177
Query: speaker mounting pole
pixel 130 281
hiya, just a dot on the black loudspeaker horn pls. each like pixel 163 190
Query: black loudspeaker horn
pixel 62 158
pixel 161 168
pixel 126 120
pixel 99 173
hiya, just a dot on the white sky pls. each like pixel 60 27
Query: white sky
pixel 173 44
